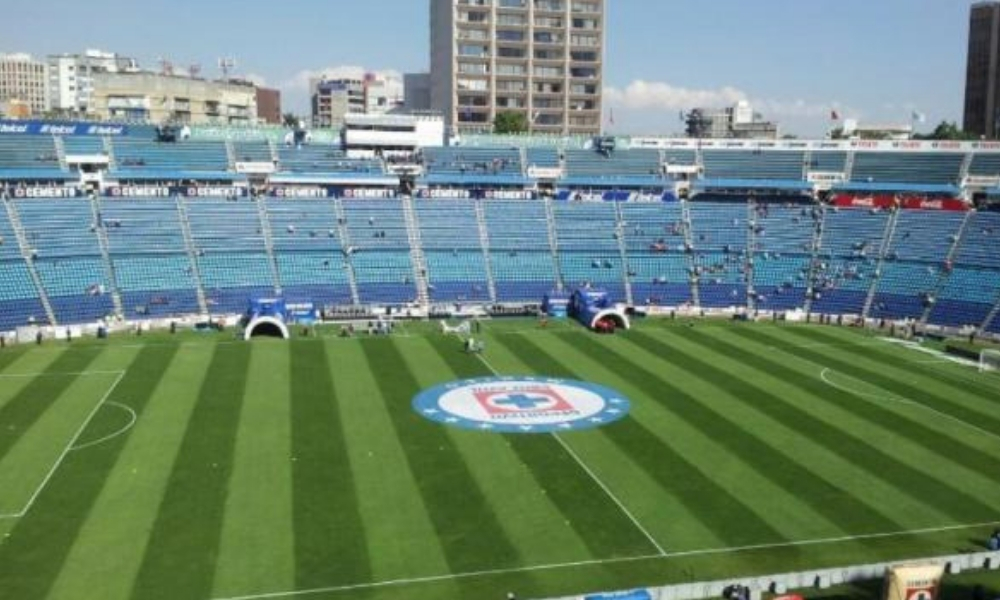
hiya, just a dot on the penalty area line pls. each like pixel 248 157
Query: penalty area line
pixel 69 448
pixel 611 561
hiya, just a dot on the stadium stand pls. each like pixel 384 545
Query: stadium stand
pixel 520 254
pixel 456 264
pixel 379 250
pixel 917 167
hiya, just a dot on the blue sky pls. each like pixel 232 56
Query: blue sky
pixel 877 60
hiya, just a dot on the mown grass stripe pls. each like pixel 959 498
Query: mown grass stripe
pixel 330 543
pixel 470 535
pixel 981 418
pixel 913 430
pixel 183 545
pixel 717 508
pixel 23 410
pixel 836 505
pixel 889 354
pixel 599 523
pixel 879 464
pixel 34 555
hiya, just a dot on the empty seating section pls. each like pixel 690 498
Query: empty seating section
pixel 916 167
pixel 543 157
pixel 618 165
pixel 828 161
pixel 67 257
pixel 741 164
pixel 657 264
pixel 783 254
pixel 679 157
pixel 308 250
pixel 588 247
pixel 152 266
pixel 920 246
pixel 76 145
pixel 18 293
pixel 464 161
pixel 380 251
pixel 28 152
pixel 133 154
pixel 720 240
pixel 456 266
pixel 973 286
pixel 848 260
pixel 320 158
pixel 248 151
pixel 232 259
pixel 985 165
pixel 520 256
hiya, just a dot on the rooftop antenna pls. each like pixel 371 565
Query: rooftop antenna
pixel 226 65
pixel 166 67
pixel 194 70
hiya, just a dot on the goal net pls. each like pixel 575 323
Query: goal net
pixel 989 360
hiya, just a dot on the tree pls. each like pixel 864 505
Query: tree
pixel 510 122
pixel 946 131
pixel 290 120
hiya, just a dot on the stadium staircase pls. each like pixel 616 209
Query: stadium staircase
pixel 883 253
pixel 943 273
pixel 990 318
pixel 109 150
pixel 273 149
pixel 231 155
pixel 192 255
pixel 620 225
pixel 849 167
pixel 345 241
pixel 550 221
pixel 265 230
pixel 484 240
pixel 27 253
pixel 817 244
pixel 751 253
pixel 109 265
pixel 807 161
pixel 963 172
pixel 689 250
pixel 416 251
pixel 61 152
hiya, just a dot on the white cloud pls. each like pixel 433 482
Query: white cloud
pixel 658 95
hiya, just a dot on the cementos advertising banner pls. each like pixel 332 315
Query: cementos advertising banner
pixel 45 192
pixel 8 126
pixel 162 191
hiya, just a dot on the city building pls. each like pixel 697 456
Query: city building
pixel 269 105
pixel 982 84
pixel 738 121
pixel 541 58
pixel 163 98
pixel 71 79
pixel 371 94
pixel 417 90
pixel 23 83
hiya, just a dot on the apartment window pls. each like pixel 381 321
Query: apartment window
pixel 473 68
pixel 548 72
pixel 473 85
pixel 475 35
pixel 583 56
pixel 511 69
pixel 550 5
pixel 548 88
pixel 549 54
pixel 583 73
pixel 477 101
pixel 473 50
pixel 583 89
pixel 548 37
pixel 583 40
pixel 513 3
pixel 504 35
pixel 551 22
pixel 475 17
pixel 586 7
pixel 548 119
pixel 507 102
pixel 511 86
pixel 585 24
pixel 512 20
pixel 512 52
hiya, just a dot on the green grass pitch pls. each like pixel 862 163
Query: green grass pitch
pixel 203 468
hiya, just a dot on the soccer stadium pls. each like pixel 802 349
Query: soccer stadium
pixel 779 395
pixel 493 348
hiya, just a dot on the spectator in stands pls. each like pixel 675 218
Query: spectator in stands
pixel 994 542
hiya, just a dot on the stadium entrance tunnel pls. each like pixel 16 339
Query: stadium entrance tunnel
pixel 266 327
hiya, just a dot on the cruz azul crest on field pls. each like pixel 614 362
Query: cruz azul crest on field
pixel 521 404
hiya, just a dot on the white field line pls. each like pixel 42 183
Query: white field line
pixel 132 419
pixel 594 477
pixel 609 561
pixel 825 377
pixel 48 374
pixel 66 450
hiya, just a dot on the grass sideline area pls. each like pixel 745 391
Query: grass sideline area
pixel 199 466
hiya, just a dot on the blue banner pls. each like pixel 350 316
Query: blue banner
pixel 34 127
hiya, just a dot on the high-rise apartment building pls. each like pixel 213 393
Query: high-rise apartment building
pixel 23 82
pixel 982 76
pixel 542 58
